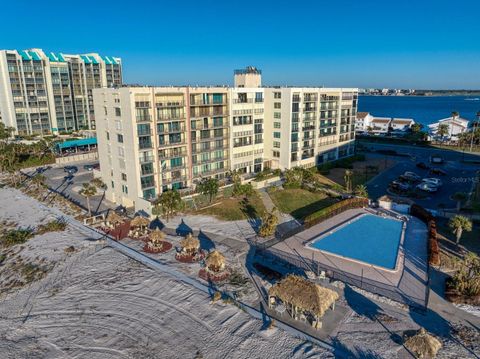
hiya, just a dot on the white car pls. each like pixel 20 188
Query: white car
pixel 411 176
pixel 427 187
pixel 434 181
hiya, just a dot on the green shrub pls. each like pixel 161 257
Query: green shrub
pixel 52 226
pixel 16 236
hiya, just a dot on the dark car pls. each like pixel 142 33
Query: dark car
pixel 422 165
pixel 88 167
pixel 438 171
pixel 70 169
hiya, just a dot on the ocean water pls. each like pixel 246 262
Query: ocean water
pixel 423 109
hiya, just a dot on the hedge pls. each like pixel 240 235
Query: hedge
pixel 433 248
pixel 334 209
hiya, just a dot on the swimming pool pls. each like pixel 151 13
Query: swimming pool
pixel 367 238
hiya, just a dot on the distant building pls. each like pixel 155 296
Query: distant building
pixel 401 124
pixel 365 122
pixel 455 124
pixel 50 92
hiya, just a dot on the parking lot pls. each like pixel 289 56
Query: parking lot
pixel 58 181
pixel 459 176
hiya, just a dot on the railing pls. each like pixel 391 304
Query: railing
pixel 367 284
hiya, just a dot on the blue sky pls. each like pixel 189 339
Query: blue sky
pixel 357 43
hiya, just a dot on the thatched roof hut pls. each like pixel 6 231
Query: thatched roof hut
pixel 304 295
pixel 423 345
pixel 156 236
pixel 114 218
pixel 190 244
pixel 215 261
pixel 139 221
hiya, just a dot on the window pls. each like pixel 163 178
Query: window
pixel 277 105
pixel 276 125
pixel 218 121
pixel 118 111
pixel 176 162
pixel 276 115
pixel 276 154
pixel 277 95
pixel 147 168
pixel 124 176
pixel 258 97
pixel 144 129
pixel 118 125
pixel 147 181
pixel 121 152
pixel 144 142
pixel 113 184
pixel 295 106
pixel 276 135
pixel 105 110
pixel 119 138
pixel 276 144
pixel 108 135
pixel 217 98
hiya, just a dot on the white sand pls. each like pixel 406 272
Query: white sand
pixel 97 303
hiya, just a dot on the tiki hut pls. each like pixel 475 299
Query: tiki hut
pixel 190 245
pixel 303 299
pixel 156 237
pixel 215 261
pixel 113 219
pixel 423 345
pixel 139 222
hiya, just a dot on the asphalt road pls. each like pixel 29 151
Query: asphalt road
pixel 460 176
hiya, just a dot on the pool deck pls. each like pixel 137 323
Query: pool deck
pixel 410 278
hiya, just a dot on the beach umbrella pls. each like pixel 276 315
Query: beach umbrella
pixel 139 222
pixel 190 244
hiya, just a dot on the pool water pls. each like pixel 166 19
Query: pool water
pixel 368 238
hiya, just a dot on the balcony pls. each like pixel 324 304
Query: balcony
pixel 175 117
pixel 201 102
pixel 166 129
pixel 171 154
pixel 144 118
pixel 169 104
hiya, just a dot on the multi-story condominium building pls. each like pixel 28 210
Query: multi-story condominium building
pixel 41 93
pixel 308 126
pixel 152 139
pixel 155 139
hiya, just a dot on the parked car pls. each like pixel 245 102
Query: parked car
pixel 422 165
pixel 437 171
pixel 433 181
pixel 70 169
pixel 427 187
pixel 398 185
pixel 411 176
pixel 437 159
pixel 88 167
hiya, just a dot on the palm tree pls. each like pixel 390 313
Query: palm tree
pixel 459 197
pixel 209 187
pixel 348 180
pixel 361 191
pixel 416 127
pixel 458 224
pixel 5 132
pixel 442 130
pixel 88 191
pixel 39 181
pixel 167 204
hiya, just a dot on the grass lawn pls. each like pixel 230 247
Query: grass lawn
pixel 235 209
pixel 360 174
pixel 299 202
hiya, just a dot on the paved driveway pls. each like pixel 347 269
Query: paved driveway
pixel 70 188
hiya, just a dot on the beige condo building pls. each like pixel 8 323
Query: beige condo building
pixel 153 139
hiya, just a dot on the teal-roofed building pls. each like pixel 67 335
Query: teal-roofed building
pixel 68 79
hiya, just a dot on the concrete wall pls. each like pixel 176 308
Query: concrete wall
pixel 75 158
